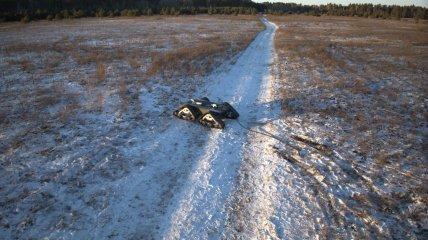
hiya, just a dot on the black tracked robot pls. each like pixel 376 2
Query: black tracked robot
pixel 207 113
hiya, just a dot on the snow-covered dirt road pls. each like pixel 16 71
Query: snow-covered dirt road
pixel 186 179
pixel 242 184
pixel 153 176
pixel 204 207
pixel 107 160
pixel 159 177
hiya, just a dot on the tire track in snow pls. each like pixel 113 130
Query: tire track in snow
pixel 204 203
pixel 254 198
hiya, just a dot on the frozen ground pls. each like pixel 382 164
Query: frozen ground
pixel 282 171
pixel 88 145
pixel 353 97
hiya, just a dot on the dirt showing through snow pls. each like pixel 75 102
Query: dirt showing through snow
pixel 125 168
pixel 205 203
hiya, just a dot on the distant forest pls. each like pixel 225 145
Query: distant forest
pixel 27 10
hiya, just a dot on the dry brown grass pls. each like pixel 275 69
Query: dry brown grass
pixel 101 72
pixel 362 49
pixel 134 63
pixel 51 63
pixel 186 59
pixel 50 96
pixel 366 76
pixel 71 57
pixel 24 64
pixel 67 112
pixel 58 78
pixel 85 58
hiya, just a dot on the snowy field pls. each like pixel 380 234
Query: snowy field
pixel 354 105
pixel 85 113
pixel 329 143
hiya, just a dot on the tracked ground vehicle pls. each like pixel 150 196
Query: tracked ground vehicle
pixel 207 113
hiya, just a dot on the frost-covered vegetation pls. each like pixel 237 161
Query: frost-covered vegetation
pixel 330 142
pixel 80 101
pixel 354 96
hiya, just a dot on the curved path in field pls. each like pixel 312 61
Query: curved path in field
pixel 240 185
pixel 196 183
pixel 207 205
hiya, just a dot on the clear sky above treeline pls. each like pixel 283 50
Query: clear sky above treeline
pixel 422 3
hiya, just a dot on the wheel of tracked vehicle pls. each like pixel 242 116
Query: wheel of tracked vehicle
pixel 188 113
pixel 212 121
pixel 232 113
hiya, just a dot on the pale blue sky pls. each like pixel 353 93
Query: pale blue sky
pixel 423 3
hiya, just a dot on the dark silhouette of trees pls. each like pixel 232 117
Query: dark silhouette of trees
pixel 27 10
pixel 14 10
pixel 360 10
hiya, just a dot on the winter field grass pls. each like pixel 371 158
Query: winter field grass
pixel 89 149
pixel 353 93
pixel 72 105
